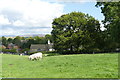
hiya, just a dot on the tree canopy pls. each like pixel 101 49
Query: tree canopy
pixel 111 11
pixel 74 32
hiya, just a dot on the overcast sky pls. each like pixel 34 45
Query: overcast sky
pixel 21 17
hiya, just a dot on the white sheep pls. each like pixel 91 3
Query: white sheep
pixel 35 56
pixel 38 55
pixel 31 57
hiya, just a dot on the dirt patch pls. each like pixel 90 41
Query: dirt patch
pixel 10 64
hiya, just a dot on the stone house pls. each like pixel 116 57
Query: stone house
pixel 41 47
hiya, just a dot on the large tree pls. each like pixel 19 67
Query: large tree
pixel 111 11
pixel 74 32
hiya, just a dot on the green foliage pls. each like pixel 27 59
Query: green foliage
pixel 30 53
pixel 111 11
pixel 25 50
pixel 4 41
pixel 63 66
pixel 49 37
pixel 9 40
pixel 50 53
pixel 9 50
pixel 111 22
pixel 40 40
pixel 29 42
pixel 74 32
pixel 17 41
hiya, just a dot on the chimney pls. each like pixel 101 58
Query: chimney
pixel 48 41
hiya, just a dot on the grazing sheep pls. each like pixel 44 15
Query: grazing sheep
pixel 35 56
pixel 31 57
pixel 38 55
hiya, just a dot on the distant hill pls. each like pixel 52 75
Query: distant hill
pixel 30 35
pixel 33 35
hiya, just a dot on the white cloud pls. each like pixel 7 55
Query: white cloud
pixel 36 30
pixel 8 31
pixel 76 1
pixel 28 13
pixel 31 12
pixel 18 23
pixel 20 31
pixel 3 20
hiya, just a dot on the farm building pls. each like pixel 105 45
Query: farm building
pixel 41 47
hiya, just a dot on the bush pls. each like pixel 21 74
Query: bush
pixel 30 53
pixel 9 50
pixel 26 49
pixel 50 53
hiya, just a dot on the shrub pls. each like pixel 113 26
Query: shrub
pixel 50 53
pixel 9 50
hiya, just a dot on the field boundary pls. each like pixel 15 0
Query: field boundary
pixel 56 79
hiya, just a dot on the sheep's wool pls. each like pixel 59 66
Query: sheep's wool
pixel 35 56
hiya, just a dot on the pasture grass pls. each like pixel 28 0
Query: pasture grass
pixel 0 66
pixel 62 66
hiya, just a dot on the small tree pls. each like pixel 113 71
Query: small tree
pixel 17 41
pixel 10 40
pixel 4 41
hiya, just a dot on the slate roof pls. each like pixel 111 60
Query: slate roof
pixel 40 47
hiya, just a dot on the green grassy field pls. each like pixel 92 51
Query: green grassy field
pixel 62 66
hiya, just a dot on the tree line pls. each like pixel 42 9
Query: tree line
pixel 24 43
